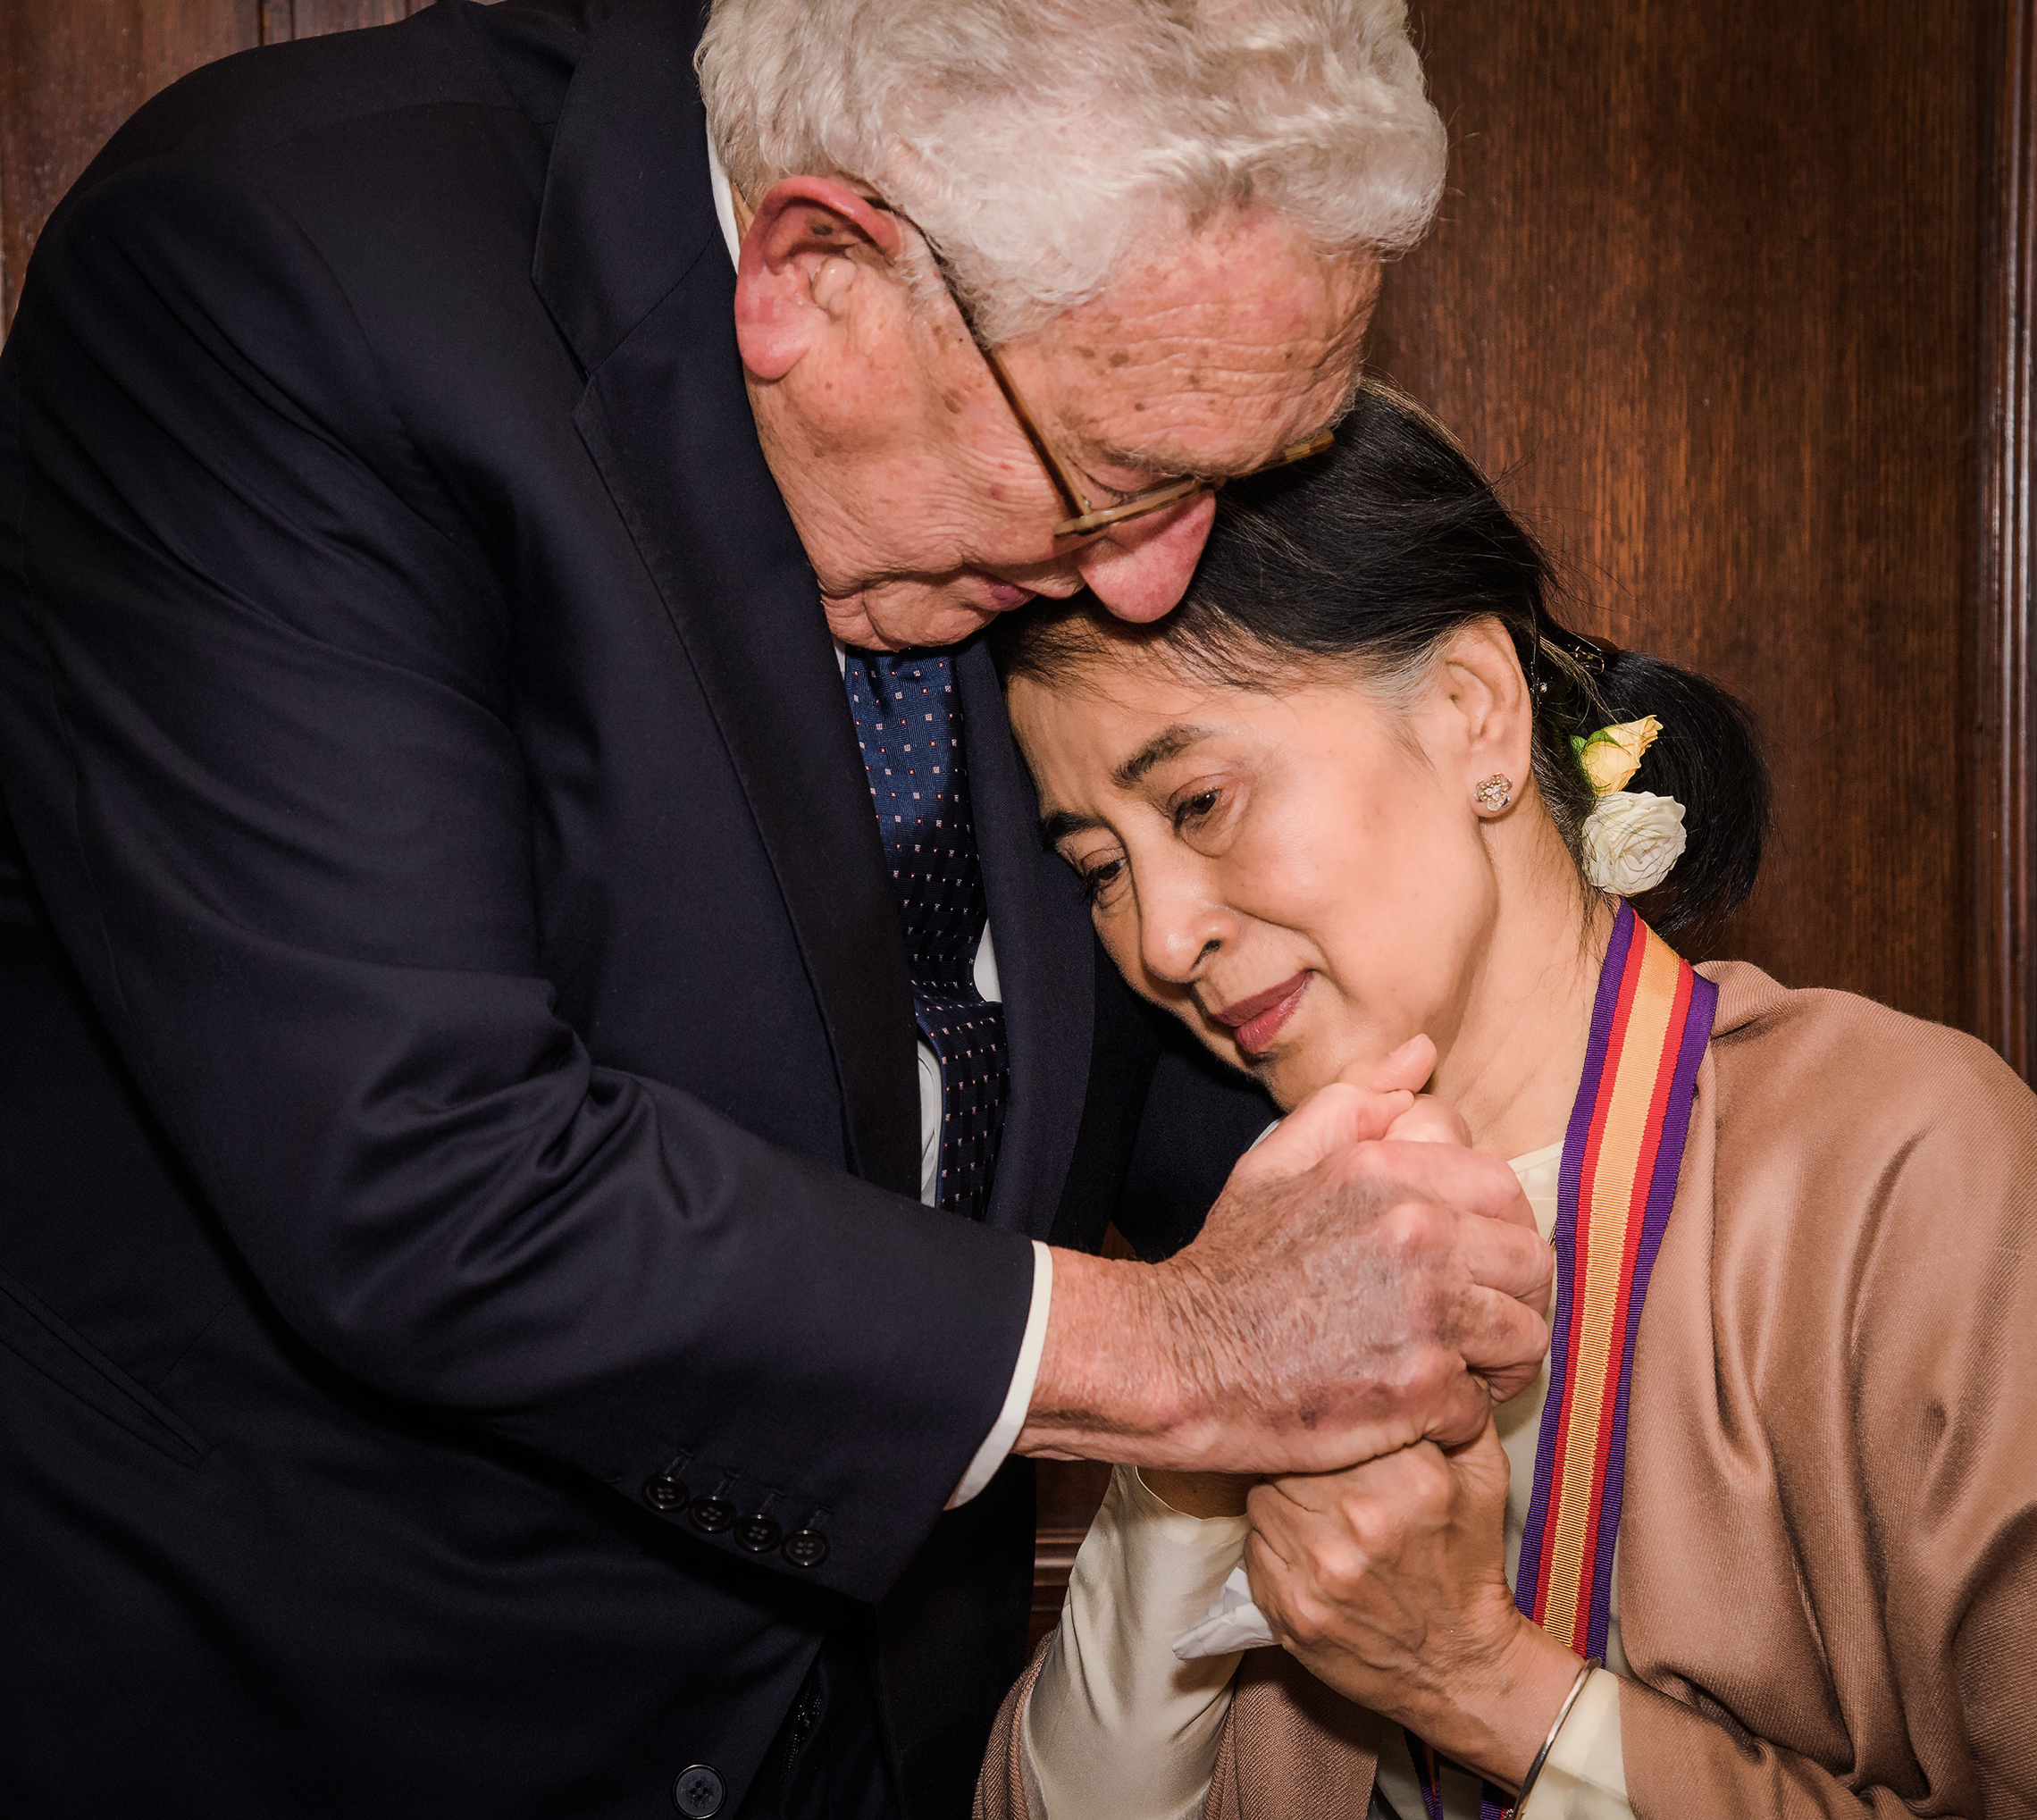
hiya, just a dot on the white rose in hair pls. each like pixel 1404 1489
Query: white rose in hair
pixel 1630 840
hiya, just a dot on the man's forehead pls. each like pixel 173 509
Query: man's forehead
pixel 1204 349
pixel 1248 279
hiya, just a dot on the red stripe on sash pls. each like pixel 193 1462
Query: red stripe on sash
pixel 1608 1077
pixel 1637 1209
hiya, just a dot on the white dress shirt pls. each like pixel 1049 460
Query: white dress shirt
pixel 1018 1397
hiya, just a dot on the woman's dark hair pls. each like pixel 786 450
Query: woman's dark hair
pixel 1376 552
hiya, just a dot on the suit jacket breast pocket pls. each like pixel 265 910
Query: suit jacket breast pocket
pixel 33 1332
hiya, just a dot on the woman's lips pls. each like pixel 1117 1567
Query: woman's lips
pixel 1254 1022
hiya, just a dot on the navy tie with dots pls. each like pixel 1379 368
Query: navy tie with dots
pixel 909 723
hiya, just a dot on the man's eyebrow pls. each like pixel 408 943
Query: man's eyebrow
pixel 1162 469
pixel 1159 469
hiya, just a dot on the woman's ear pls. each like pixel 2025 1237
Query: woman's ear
pixel 808 244
pixel 1486 698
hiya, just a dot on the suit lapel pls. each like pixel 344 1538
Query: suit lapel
pixel 630 263
pixel 1045 961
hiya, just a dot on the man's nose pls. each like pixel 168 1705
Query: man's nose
pixel 1140 570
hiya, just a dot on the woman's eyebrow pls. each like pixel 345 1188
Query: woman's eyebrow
pixel 1056 827
pixel 1162 746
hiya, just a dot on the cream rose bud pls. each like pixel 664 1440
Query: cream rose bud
pixel 1630 840
pixel 1613 754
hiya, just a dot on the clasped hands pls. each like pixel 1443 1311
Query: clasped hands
pixel 1386 1580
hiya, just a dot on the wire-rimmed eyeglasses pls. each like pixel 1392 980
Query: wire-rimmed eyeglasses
pixel 1084 516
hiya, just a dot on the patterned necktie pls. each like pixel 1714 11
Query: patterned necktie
pixel 909 723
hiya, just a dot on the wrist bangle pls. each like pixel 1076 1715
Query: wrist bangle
pixel 1549 1743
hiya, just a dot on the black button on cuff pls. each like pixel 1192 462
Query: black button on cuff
pixel 712 1516
pixel 805 1547
pixel 698 1791
pixel 665 1492
pixel 759 1535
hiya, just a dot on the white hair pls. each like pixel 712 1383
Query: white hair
pixel 1037 142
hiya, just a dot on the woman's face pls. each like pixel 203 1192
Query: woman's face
pixel 1297 871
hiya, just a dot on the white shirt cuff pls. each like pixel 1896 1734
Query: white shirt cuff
pixel 1586 1775
pixel 1004 1431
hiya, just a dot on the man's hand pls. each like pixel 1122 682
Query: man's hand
pixel 1354 1290
pixel 1388 1582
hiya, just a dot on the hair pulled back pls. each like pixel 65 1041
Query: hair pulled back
pixel 1374 554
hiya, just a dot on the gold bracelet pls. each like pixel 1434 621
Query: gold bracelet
pixel 1549 1743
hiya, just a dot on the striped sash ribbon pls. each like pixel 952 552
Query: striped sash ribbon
pixel 1621 1153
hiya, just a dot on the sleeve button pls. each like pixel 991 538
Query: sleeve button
pixel 665 1492
pixel 805 1547
pixel 757 1535
pixel 698 1791
pixel 712 1516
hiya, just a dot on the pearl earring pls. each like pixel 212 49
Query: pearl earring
pixel 1495 794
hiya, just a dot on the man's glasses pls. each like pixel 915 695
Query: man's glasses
pixel 1084 516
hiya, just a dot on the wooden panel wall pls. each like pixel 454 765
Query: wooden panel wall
pixel 2003 915
pixel 72 71
pixel 1708 291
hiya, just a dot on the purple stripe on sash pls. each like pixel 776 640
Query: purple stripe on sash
pixel 1662 1196
pixel 1569 1180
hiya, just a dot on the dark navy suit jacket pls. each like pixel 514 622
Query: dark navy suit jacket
pixel 455 1054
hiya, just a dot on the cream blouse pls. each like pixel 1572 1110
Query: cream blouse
pixel 1118 1729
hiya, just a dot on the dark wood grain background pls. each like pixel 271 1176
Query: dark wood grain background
pixel 1737 297
pixel 1708 291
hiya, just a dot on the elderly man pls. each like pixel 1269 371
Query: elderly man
pixel 525 1200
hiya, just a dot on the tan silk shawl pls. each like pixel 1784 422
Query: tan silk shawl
pixel 1828 1557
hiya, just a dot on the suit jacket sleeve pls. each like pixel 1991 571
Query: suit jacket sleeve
pixel 258 748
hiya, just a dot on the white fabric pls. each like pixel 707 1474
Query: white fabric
pixel 1133 1730
pixel 1231 1624
pixel 1019 1398
pixel 1586 1775
pixel 725 202
pixel 991 993
pixel 1133 1567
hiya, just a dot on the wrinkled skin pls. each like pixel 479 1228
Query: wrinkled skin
pixel 1388 1582
pixel 922 505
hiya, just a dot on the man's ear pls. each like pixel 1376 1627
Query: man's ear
pixel 808 241
pixel 1488 696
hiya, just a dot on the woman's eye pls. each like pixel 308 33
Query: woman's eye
pixel 1195 808
pixel 1098 879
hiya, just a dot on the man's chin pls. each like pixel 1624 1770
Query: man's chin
pixel 923 616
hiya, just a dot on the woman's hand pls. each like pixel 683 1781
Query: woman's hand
pixel 1388 1582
